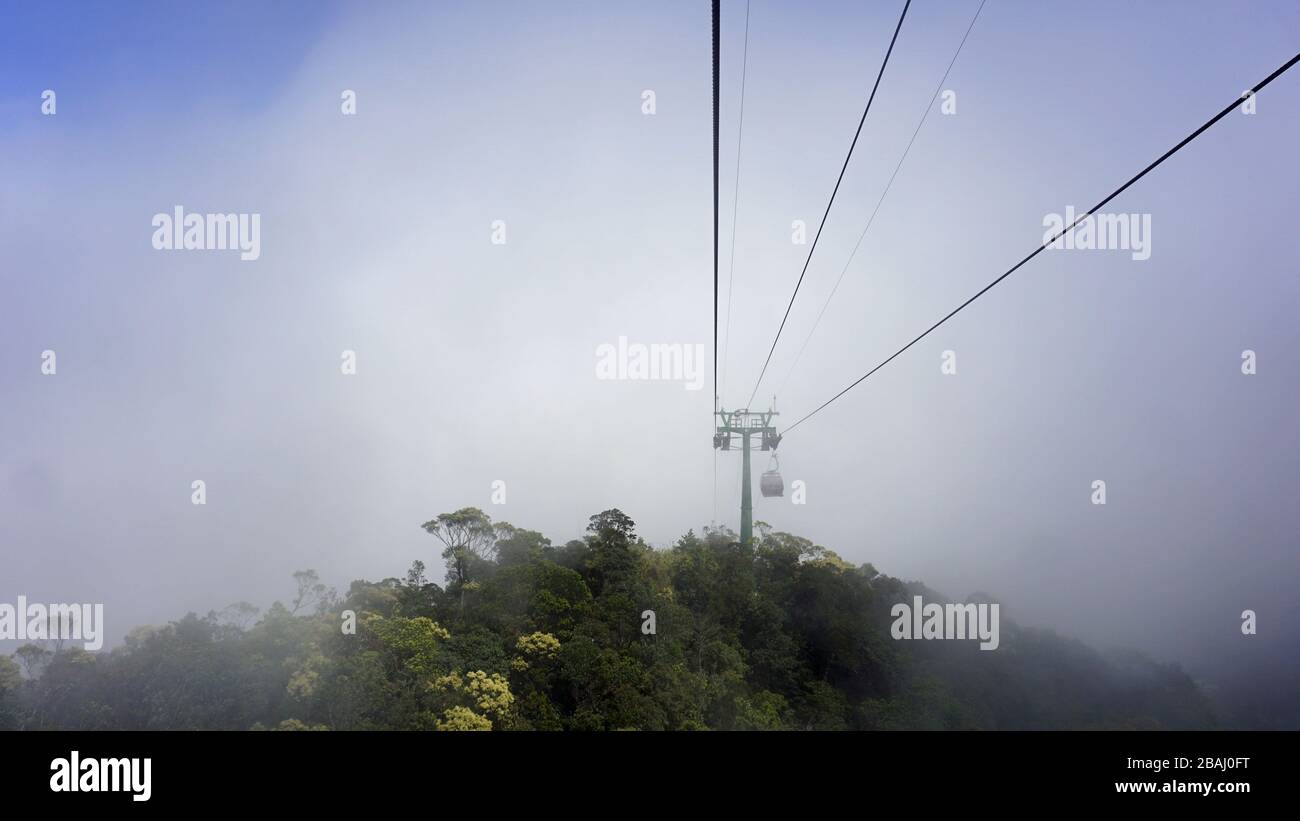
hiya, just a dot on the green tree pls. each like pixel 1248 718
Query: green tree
pixel 469 542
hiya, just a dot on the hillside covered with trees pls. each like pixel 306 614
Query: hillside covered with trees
pixel 527 635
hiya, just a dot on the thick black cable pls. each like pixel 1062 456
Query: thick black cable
pixel 1227 109
pixel 717 55
pixel 717 52
pixel 834 191
pixel 735 203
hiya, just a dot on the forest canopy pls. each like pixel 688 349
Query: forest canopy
pixel 600 633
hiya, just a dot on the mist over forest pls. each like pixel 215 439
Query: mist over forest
pixel 524 634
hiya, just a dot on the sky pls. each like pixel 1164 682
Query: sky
pixel 476 360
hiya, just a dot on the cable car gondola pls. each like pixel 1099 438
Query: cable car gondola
pixel 771 483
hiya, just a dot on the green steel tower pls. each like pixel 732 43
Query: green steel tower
pixel 745 424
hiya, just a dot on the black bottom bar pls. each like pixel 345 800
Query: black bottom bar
pixel 331 770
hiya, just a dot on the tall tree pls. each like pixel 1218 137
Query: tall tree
pixel 469 542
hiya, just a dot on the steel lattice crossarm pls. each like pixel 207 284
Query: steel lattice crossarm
pixel 746 423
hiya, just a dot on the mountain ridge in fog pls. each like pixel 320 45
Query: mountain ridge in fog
pixel 524 634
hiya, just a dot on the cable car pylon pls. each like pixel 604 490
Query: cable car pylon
pixel 739 427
